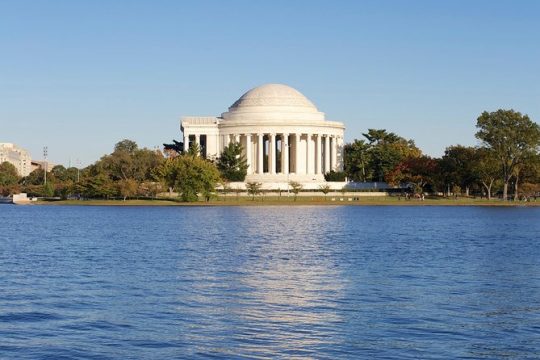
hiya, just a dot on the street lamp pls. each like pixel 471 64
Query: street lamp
pixel 288 146
pixel 45 153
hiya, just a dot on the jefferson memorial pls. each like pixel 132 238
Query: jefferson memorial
pixel 284 136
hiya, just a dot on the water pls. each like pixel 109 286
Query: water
pixel 269 282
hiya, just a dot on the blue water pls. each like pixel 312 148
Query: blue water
pixel 269 282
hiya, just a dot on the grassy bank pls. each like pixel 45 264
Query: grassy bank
pixel 304 200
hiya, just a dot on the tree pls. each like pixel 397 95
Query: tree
pixel 194 149
pixel 512 137
pixel 127 188
pixel 126 145
pixel 232 163
pixel 253 188
pixel 356 160
pixel 128 162
pixel 325 189
pixel 457 165
pixel 332 175
pixel 36 177
pixel 386 150
pixel 486 169
pixel 9 178
pixel 174 149
pixel 415 171
pixel 190 175
pixel 226 189
pixel 295 188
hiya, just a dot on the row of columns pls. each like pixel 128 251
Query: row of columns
pixel 312 162
pixel 317 159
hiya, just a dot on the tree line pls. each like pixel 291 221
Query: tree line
pixel 506 161
pixel 508 155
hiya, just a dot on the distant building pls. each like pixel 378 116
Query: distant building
pixel 20 158
pixel 40 164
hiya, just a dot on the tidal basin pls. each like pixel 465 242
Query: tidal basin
pixel 332 282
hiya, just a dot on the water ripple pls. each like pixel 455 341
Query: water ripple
pixel 275 282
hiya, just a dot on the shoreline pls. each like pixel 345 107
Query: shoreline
pixel 291 202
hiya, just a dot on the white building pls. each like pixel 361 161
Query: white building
pixel 284 136
pixel 17 156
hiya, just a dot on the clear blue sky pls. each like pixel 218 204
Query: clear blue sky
pixel 78 76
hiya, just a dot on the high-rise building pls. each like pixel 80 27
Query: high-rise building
pixel 20 158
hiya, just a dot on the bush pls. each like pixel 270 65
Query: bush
pixel 335 176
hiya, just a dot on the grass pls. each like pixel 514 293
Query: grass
pixel 301 200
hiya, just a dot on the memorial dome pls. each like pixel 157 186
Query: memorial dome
pixel 273 101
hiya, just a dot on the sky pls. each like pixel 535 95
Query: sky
pixel 79 76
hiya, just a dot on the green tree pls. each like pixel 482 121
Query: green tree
pixel 9 178
pixel 356 160
pixel 36 177
pixel 296 187
pixel 457 166
pixel 190 175
pixel 48 189
pixel 127 146
pixel 232 163
pixel 486 169
pixel 386 151
pixel 512 137
pixel 127 161
pixel 194 150
pixel 332 175
pixel 253 189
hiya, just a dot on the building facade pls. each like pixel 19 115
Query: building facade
pixel 284 136
pixel 20 158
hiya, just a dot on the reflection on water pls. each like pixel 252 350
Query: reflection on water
pixel 269 282
pixel 292 281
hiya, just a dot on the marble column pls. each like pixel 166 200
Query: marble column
pixel 248 153
pixel 198 142
pixel 272 153
pixel 318 155
pixel 285 153
pixel 309 155
pixel 334 153
pixel 297 153
pixel 237 138
pixel 260 150
pixel 326 154
pixel 186 142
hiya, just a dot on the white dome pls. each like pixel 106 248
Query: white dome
pixel 273 102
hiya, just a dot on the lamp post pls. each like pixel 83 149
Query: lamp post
pixel 45 153
pixel 288 146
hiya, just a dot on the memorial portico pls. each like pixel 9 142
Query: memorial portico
pixel 282 134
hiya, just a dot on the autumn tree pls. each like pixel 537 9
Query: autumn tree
pixel 386 150
pixel 416 171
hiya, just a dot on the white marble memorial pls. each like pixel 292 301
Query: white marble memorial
pixel 284 136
